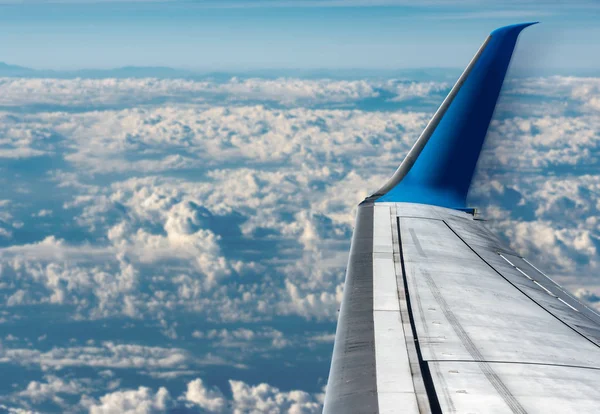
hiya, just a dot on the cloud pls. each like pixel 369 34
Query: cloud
pixel 43 213
pixel 38 392
pixel 543 142
pixel 140 401
pixel 130 141
pixel 243 337
pixel 582 90
pixel 328 338
pixel 17 298
pixel 411 90
pixel 108 355
pixel 211 400
pixel 183 240
pixel 14 410
pixel 100 93
pixel 56 273
pixel 311 304
pixel 587 295
pixel 262 398
pixel 20 141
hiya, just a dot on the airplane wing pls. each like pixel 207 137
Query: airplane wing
pixel 438 315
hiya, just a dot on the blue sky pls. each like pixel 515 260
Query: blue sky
pixel 239 35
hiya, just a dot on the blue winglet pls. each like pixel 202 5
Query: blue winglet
pixel 442 172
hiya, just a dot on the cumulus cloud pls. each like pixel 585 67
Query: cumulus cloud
pixel 211 400
pixel 583 90
pixel 51 389
pixel 19 140
pixel 184 239
pixel 536 144
pixel 58 273
pixel 246 399
pixel 264 398
pixel 155 220
pixel 180 137
pixel 140 401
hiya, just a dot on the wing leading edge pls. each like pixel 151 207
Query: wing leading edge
pixel 437 314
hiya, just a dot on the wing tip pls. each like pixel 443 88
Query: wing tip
pixel 442 176
pixel 512 28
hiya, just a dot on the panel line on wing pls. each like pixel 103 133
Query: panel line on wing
pixel 411 345
pixel 504 325
pixel 519 289
pixel 530 278
pixel 576 310
pixel 553 284
pixel 559 286
pixel 415 240
pixel 505 362
pixel 394 379
pixel 523 273
pixel 478 357
pixel 432 396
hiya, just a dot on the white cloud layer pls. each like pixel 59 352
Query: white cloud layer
pixel 210 221
pixel 82 92
pixel 295 173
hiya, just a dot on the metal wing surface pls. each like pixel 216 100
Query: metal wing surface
pixel 438 315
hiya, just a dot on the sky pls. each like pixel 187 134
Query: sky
pixel 258 34
pixel 177 243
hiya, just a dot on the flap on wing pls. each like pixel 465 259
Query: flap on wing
pixel 439 168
